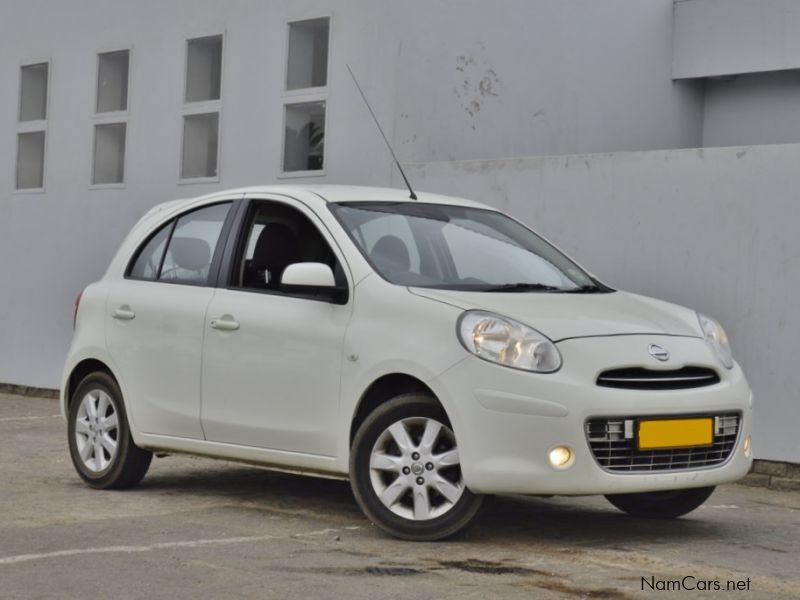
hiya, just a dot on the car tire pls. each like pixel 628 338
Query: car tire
pixel 661 505
pixel 410 484
pixel 100 442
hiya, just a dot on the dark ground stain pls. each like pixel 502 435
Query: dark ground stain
pixel 485 567
pixel 392 571
pixel 564 588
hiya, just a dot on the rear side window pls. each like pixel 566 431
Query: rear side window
pixel 149 259
pixel 183 249
pixel 192 245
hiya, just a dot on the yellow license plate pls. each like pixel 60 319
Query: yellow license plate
pixel 675 433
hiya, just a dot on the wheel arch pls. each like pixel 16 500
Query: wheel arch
pixel 383 389
pixel 79 372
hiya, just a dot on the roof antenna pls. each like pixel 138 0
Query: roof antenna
pixel 385 139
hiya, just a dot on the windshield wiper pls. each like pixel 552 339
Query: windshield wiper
pixel 522 287
pixel 585 289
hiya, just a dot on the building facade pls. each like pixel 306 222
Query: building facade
pixel 110 107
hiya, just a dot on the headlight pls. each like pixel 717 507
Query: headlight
pixel 506 342
pixel 716 338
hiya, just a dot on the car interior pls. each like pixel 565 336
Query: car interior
pixel 278 236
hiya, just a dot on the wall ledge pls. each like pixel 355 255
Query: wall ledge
pixel 26 390
pixel 773 474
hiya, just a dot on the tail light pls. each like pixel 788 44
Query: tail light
pixel 75 314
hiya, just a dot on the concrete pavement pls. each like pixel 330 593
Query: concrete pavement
pixel 198 528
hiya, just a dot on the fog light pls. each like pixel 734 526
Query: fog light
pixel 747 446
pixel 561 457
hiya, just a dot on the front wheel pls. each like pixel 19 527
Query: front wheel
pixel 100 441
pixel 405 471
pixel 661 505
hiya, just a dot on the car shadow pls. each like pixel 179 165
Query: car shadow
pixel 574 522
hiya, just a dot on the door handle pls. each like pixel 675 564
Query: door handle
pixel 123 313
pixel 225 323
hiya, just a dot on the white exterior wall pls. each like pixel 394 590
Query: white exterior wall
pixel 714 230
pixel 570 77
pixel 727 37
pixel 450 80
pixel 762 108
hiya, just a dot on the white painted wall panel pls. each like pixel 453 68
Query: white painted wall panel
pixel 727 37
pixel 760 108
pixel 714 229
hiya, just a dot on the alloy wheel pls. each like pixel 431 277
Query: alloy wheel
pixel 96 430
pixel 415 469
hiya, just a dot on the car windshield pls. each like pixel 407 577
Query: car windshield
pixel 458 248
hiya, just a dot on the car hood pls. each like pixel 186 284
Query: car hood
pixel 560 316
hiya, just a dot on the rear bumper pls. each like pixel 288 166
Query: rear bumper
pixel 507 421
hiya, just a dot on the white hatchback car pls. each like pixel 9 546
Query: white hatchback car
pixel 433 351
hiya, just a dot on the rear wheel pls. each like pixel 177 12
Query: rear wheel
pixel 661 505
pixel 405 471
pixel 100 441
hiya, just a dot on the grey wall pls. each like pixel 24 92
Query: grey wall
pixel 481 79
pixel 545 77
pixel 724 37
pixel 762 108
pixel 451 80
pixel 714 229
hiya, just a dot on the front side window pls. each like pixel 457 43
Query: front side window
pixel 276 236
pixel 457 248
pixel 182 251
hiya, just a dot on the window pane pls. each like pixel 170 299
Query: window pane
pixel 200 146
pixel 480 254
pixel 112 81
pixel 304 142
pixel 279 236
pixel 149 258
pixel 391 226
pixel 204 69
pixel 30 160
pixel 191 248
pixel 33 92
pixel 308 54
pixel 109 153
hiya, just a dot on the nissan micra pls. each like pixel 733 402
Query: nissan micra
pixel 433 351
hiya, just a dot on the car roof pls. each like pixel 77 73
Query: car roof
pixel 323 194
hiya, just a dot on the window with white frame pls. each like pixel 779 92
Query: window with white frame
pixel 201 109
pixel 305 97
pixel 32 126
pixel 111 118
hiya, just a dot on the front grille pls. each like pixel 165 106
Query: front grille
pixel 638 378
pixel 613 443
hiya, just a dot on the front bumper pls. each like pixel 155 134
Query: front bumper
pixel 506 421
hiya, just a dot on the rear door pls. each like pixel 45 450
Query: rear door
pixel 155 317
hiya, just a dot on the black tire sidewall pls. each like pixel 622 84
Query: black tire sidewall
pixel 411 405
pixel 113 473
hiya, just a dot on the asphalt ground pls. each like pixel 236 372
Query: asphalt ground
pixel 199 528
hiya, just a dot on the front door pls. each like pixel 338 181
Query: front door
pixel 272 360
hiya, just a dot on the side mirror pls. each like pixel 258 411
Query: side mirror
pixel 312 279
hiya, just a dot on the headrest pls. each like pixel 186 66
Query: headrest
pixel 391 253
pixel 276 248
pixel 191 254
